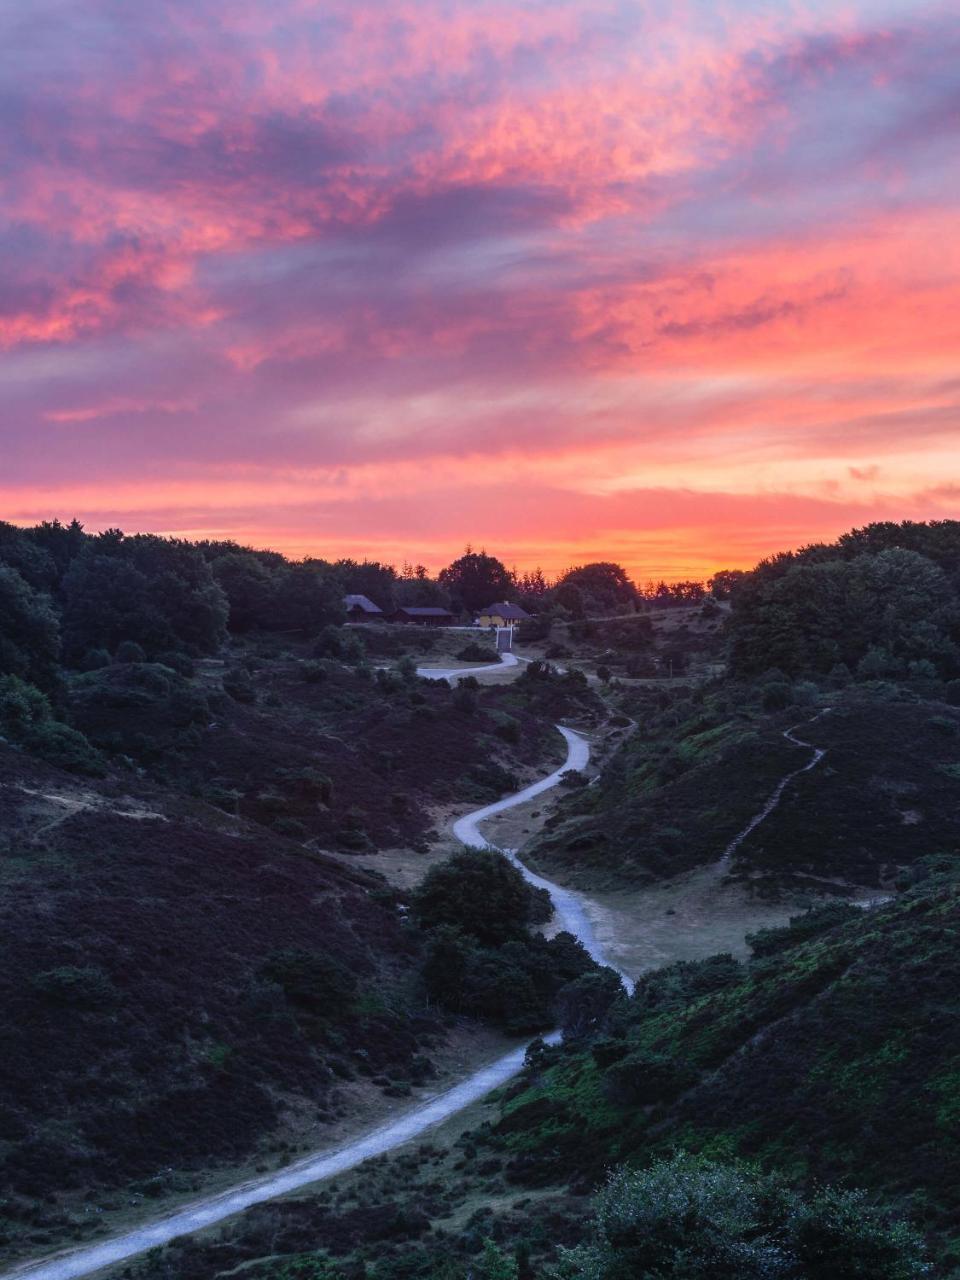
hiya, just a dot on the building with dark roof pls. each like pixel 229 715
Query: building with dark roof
pixel 423 616
pixel 361 609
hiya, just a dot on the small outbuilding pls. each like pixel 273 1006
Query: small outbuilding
pixel 423 616
pixel 502 614
pixel 362 609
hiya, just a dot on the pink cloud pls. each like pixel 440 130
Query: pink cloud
pixel 392 242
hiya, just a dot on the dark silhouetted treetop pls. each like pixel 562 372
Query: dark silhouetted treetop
pixel 251 589
pixel 32 562
pixel 157 592
pixel 476 579
pixel 598 588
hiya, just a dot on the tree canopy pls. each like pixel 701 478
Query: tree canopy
pixel 483 894
pixel 597 588
pixel 880 612
pixel 476 580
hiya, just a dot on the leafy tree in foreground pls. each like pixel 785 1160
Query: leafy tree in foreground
pixel 884 610
pixel 687 1218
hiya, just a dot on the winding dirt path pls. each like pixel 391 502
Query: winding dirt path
pixel 207 1212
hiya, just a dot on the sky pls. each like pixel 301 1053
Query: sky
pixel 672 283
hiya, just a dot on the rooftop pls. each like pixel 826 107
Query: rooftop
pixel 361 602
pixel 504 609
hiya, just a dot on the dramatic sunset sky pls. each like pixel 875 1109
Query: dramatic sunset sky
pixel 671 282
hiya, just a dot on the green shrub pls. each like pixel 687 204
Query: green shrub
pixel 129 651
pixel 311 980
pixel 687 1218
pixel 66 748
pixel 292 828
pixel 474 652
pixel 179 662
pixel 95 660
pixel 509 730
pixel 311 783
pixel 812 923
pixel 22 708
pixel 574 778
pixel 465 699
pixel 642 1079
pixel 26 719
pixel 270 802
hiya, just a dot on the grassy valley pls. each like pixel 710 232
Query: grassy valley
pixel 202 947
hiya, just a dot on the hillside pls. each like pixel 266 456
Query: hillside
pixel 702 763
pixel 196 973
pixel 831 1056
pixel 197 951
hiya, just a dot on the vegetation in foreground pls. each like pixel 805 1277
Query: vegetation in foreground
pixel 828 1062
pixel 813 1090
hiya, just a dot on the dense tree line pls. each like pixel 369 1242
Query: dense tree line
pixel 882 602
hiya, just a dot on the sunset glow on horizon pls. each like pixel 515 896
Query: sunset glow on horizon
pixel 671 283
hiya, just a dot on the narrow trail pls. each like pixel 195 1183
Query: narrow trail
pixel 777 795
pixel 87 1259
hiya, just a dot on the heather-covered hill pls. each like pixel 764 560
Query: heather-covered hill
pixel 319 750
pixel 832 1055
pixel 829 1060
pixel 174 995
pixel 702 763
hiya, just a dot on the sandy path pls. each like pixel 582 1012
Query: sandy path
pixel 425 1115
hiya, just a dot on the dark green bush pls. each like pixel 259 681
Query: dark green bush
pixel 129 651
pixel 474 652
pixel 312 980
pixel 95 660
pixel 642 1079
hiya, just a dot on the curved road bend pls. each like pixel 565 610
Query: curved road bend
pixel 569 907
pixel 87 1259
pixel 450 673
